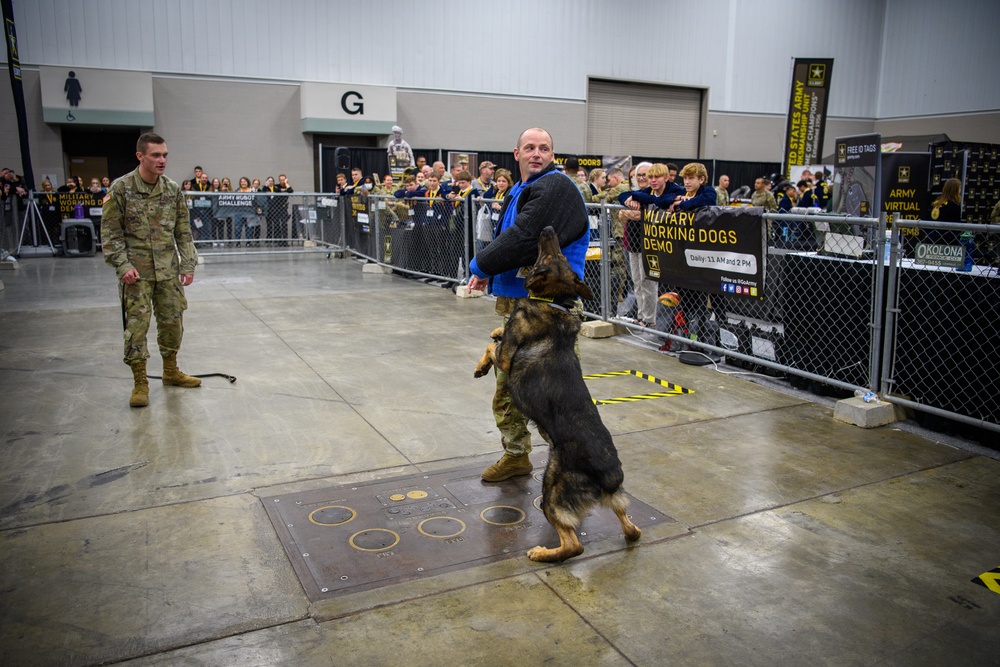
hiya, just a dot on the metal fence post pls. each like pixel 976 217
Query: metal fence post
pixel 889 319
pixel 876 314
pixel 605 230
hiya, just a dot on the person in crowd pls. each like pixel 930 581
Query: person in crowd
pixel 341 183
pixel 806 199
pixel 356 186
pixel 947 207
pixel 654 192
pixel 240 221
pixel 48 206
pixel 218 224
pixel 70 186
pixel 198 171
pixel 461 197
pixel 671 172
pixel 95 186
pixel 432 219
pixel 597 179
pixel 154 258
pixel 421 163
pixel 439 170
pixel 201 209
pixel 485 180
pixel 227 185
pixel 105 183
pixel 421 178
pixel 493 201
pixel 617 185
pixel 722 191
pixel 571 167
pixel 762 196
pixel 788 198
pixel 542 198
pixel 186 186
pixel 821 189
pixel 697 191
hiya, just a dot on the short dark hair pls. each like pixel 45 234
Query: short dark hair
pixel 147 139
pixel 671 166
pixel 571 164
pixel 198 166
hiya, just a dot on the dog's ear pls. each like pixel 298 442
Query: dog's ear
pixel 582 290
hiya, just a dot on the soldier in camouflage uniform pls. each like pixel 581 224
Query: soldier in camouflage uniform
pixel 722 191
pixel 144 226
pixel 763 197
pixel 617 184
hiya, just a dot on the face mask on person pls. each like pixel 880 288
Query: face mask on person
pixel 368 186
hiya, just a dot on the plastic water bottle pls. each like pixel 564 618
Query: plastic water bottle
pixel 78 211
pixel 866 396
pixel 968 241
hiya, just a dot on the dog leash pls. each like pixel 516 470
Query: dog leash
pixel 121 299
pixel 231 378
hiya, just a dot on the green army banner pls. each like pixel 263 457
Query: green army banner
pixel 807 104
pixel 713 249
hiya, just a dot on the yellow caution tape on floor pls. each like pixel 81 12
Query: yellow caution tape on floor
pixel 990 580
pixel 672 389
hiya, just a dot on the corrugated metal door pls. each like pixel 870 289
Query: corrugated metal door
pixel 625 118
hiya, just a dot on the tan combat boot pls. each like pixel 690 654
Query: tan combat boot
pixel 508 466
pixel 174 376
pixel 140 392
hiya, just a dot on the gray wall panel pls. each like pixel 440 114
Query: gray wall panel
pixel 487 123
pixel 241 129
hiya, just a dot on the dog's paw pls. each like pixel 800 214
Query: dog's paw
pixel 480 372
pixel 541 554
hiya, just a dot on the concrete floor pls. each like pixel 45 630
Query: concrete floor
pixel 138 536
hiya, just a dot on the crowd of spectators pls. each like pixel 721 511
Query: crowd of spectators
pixel 268 220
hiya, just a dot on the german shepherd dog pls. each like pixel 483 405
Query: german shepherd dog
pixel 536 350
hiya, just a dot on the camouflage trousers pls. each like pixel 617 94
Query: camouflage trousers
pixel 140 301
pixel 512 424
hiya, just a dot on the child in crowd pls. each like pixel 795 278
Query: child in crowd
pixel 696 192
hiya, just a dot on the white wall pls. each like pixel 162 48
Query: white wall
pixel 474 78
pixel 893 57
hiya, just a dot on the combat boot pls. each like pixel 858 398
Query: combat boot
pixel 508 466
pixel 140 391
pixel 174 376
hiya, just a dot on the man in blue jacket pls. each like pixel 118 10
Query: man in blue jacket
pixel 544 197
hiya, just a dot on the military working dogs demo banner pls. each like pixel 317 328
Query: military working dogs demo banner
pixel 807 105
pixel 713 249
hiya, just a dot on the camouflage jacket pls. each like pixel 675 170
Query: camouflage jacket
pixel 145 227
pixel 611 196
pixel 721 197
pixel 764 198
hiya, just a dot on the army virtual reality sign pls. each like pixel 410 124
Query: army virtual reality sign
pixel 713 249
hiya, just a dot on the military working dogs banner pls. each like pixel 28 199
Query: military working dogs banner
pixel 807 106
pixel 713 249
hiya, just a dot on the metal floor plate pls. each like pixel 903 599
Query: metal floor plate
pixel 346 539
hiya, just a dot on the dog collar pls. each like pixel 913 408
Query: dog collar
pixel 551 302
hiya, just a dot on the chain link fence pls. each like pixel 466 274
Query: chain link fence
pixel 265 222
pixel 943 321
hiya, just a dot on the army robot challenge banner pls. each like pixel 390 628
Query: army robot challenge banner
pixel 713 249
pixel 807 106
